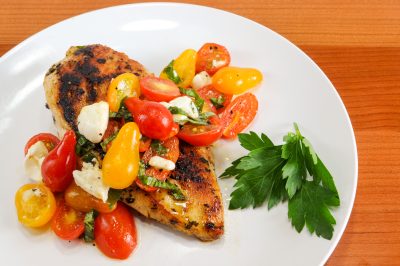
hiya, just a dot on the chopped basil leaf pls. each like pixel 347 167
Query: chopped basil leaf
pixel 154 182
pixel 171 73
pixel 201 120
pixel 89 226
pixel 198 101
pixel 84 148
pixel 218 102
pixel 123 112
pixel 158 147
pixel 113 197
pixel 105 142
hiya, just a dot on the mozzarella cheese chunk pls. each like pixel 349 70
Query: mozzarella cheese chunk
pixel 187 105
pixel 200 80
pixel 34 159
pixel 180 119
pixel 161 163
pixel 90 179
pixel 93 121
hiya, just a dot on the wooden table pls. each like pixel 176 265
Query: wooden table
pixel 357 44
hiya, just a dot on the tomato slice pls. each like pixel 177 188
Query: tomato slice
pixel 211 57
pixel 47 138
pixel 144 144
pixel 158 89
pixel 67 223
pixel 170 147
pixel 58 165
pixel 124 85
pixel 115 233
pixel 218 99
pixel 35 205
pixel 198 135
pixel 238 115
pixel 80 200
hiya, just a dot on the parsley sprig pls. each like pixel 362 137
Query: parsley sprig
pixel 293 172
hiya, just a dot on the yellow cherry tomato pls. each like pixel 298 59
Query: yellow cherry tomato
pixel 35 204
pixel 185 68
pixel 121 162
pixel 124 85
pixel 236 80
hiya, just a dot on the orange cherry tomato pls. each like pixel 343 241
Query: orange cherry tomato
pixel 198 135
pixel 185 67
pixel 209 93
pixel 115 233
pixel 121 162
pixel 238 115
pixel 211 57
pixel 171 146
pixel 67 223
pixel 124 85
pixel 35 204
pixel 236 80
pixel 49 140
pixel 80 200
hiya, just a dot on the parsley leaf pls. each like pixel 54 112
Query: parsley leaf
pixel 293 172
pixel 88 234
pixel 171 73
pixel 310 207
pixel 218 102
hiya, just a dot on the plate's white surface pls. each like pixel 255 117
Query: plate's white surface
pixel 294 89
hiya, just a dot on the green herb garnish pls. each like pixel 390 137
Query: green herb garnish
pixel 88 234
pixel 158 147
pixel 105 142
pixel 113 197
pixel 198 101
pixel 171 73
pixel 218 102
pixel 274 174
pixel 154 182
pixel 123 112
pixel 201 120
pixel 84 148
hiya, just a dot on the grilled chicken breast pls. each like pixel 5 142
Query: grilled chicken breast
pixel 82 78
pixel 201 213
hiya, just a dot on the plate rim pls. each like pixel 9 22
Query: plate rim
pixel 339 233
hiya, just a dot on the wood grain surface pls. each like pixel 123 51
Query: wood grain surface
pixel 357 44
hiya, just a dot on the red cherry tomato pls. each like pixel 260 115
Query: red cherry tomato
pixel 153 119
pixel 238 115
pixel 211 57
pixel 48 139
pixel 174 131
pixel 200 135
pixel 171 146
pixel 67 223
pixel 210 93
pixel 158 89
pixel 58 165
pixel 115 233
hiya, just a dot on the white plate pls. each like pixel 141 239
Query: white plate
pixel 294 89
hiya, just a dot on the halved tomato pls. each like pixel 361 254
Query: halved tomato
pixel 35 204
pixel 67 223
pixel 238 115
pixel 158 89
pixel 49 140
pixel 168 149
pixel 211 57
pixel 218 99
pixel 199 135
